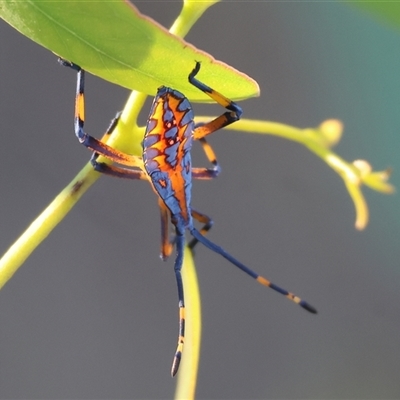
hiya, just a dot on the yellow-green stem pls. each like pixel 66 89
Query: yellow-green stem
pixel 319 140
pixel 44 223
pixel 187 376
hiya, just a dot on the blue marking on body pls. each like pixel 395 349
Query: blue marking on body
pixel 189 138
pixel 151 165
pixel 186 164
pixel 176 94
pixel 151 153
pixel 187 171
pixel 151 124
pixel 162 90
pixel 149 140
pixel 168 114
pixel 162 184
pixel 166 191
pixel 188 119
pixel 171 133
pixel 184 104
pixel 172 154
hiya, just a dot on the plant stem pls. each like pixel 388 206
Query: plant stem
pixel 187 377
pixel 44 223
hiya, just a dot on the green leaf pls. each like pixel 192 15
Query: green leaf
pixel 112 40
pixel 383 10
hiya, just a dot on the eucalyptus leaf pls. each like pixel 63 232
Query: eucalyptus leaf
pixel 112 40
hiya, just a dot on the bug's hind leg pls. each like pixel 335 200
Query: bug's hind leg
pixel 204 219
pixel 233 114
pixel 219 250
pixel 167 244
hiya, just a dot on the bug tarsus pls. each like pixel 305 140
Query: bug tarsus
pixel 308 307
pixel 176 363
pixel 66 63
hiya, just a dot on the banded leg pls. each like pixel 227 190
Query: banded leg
pixel 207 173
pixel 111 127
pixel 110 169
pixel 233 114
pixel 167 245
pixel 180 244
pixel 115 171
pixel 204 219
pixel 219 250
pixel 79 120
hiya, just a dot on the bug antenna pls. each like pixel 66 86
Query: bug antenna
pixel 219 250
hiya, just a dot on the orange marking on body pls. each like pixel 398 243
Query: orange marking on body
pixel 174 104
pixel 178 184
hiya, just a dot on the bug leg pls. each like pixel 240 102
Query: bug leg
pixel 207 173
pixel 112 126
pixel 118 172
pixel 167 245
pixel 79 120
pixel 180 243
pixel 233 114
pixel 204 219
pixel 219 250
pixel 112 170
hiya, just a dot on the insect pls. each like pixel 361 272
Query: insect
pixel 166 164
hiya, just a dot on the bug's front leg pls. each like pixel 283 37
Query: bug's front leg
pixel 233 114
pixel 96 145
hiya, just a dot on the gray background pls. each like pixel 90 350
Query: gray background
pixel 93 312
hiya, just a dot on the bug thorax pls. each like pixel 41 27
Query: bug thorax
pixel 181 222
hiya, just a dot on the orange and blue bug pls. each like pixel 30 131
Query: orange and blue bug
pixel 166 164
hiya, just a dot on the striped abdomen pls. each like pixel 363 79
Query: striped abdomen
pixel 166 151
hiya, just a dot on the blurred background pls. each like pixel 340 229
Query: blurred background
pixel 93 312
